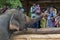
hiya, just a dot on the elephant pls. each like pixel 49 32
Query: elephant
pixel 21 21
pixel 15 18
pixel 4 23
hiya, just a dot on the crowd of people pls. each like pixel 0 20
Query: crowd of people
pixel 15 19
pixel 51 18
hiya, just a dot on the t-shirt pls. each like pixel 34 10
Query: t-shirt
pixel 38 9
pixel 33 9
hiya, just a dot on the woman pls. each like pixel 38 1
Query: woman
pixel 38 12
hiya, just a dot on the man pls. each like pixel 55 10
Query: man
pixel 33 14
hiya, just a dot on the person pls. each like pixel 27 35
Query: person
pixel 43 20
pixel 33 14
pixel 38 9
pixel 22 9
pixel 54 14
pixel 50 17
pixel 58 21
pixel 38 12
pixel 47 10
pixel 33 10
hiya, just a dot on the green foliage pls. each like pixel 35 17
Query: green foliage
pixel 2 2
pixel 10 3
pixel 15 3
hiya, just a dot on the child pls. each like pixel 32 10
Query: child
pixel 43 21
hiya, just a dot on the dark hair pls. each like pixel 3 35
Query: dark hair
pixel 43 10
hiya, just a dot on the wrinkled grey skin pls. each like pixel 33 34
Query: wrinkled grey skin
pixel 19 21
pixel 4 21
pixel 4 24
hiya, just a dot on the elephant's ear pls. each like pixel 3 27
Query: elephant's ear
pixel 13 25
